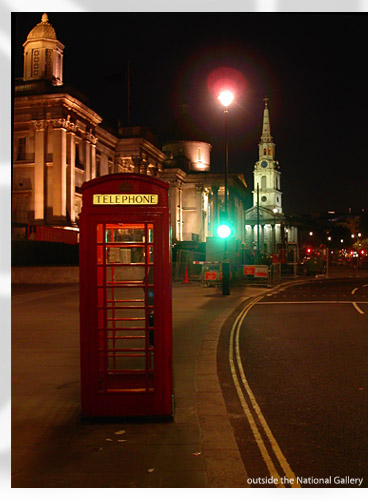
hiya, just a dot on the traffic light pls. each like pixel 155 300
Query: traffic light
pixel 223 230
pixel 309 250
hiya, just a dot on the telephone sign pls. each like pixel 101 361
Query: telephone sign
pixel 125 199
pixel 125 297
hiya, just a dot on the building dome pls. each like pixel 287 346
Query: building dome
pixel 43 54
pixel 42 30
pixel 186 145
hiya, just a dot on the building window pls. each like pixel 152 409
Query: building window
pixel 269 151
pixel 98 165
pixel 263 182
pixel 111 166
pixel 199 157
pixel 21 151
pixel 36 63
pixel 265 151
pixel 79 156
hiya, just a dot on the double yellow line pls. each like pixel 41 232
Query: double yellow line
pixel 253 412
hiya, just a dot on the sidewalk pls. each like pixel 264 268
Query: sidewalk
pixel 51 447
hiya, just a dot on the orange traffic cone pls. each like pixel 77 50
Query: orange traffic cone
pixel 186 276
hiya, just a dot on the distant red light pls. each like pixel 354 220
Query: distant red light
pixel 309 250
pixel 362 252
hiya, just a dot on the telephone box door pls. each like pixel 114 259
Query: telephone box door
pixel 125 298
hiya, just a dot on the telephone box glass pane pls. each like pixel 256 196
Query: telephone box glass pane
pixel 125 301
pixel 125 294
pixel 126 274
pixel 130 233
pixel 150 233
pixel 125 255
pixel 150 254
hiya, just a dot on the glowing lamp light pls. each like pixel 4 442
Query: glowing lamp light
pixel 226 97
pixel 309 250
pixel 223 231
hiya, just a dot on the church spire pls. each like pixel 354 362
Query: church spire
pixel 266 170
pixel 266 126
pixel 266 144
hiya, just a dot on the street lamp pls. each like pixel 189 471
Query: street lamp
pixel 226 97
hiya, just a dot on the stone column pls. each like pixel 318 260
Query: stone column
pixel 215 215
pixel 199 211
pixel 39 172
pixel 70 176
pixel 93 161
pixel 59 171
pixel 145 169
pixel 176 210
pixel 91 149
pixel 262 239
pixel 137 162
pixel 87 165
pixel 273 238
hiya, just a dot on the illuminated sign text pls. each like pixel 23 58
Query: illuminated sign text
pixel 125 199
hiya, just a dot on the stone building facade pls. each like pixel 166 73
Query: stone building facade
pixel 60 142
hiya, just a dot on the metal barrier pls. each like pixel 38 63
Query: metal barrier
pixel 211 274
pixel 275 274
pixel 185 261
pixel 256 275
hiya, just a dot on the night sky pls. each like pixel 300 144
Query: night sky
pixel 313 68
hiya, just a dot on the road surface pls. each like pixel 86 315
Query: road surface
pixel 294 372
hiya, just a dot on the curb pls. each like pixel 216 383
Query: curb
pixel 223 464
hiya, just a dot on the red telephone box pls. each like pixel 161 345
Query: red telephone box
pixel 125 297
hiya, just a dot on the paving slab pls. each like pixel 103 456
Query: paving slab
pixel 53 447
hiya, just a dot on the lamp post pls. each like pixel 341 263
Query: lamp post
pixel 226 97
pixel 274 210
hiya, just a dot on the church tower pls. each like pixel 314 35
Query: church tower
pixel 43 54
pixel 266 172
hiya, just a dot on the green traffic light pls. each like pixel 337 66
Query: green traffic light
pixel 223 231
